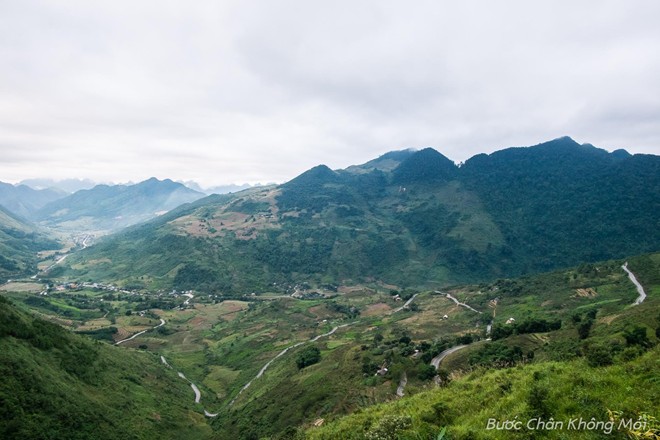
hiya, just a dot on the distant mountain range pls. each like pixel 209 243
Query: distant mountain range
pixel 27 198
pixel 107 207
pixel 408 218
pixel 65 185
pixel 24 200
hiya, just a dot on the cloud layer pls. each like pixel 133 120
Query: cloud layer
pixel 254 91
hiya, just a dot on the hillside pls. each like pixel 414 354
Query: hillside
pixel 106 207
pixel 553 400
pixel 19 243
pixel 407 218
pixel 57 385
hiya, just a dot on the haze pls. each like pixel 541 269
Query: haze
pixel 258 91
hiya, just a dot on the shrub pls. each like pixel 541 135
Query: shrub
pixel 389 427
pixel 598 355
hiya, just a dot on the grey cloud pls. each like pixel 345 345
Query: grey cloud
pixel 259 91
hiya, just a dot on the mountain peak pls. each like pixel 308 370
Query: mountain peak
pixel 426 165
pixel 318 175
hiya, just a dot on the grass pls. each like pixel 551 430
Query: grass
pixel 571 390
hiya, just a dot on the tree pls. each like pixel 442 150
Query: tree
pixel 637 336
pixel 308 356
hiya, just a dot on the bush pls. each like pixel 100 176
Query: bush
pixel 598 355
pixel 389 427
pixel 426 372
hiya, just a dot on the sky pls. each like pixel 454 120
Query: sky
pixel 259 91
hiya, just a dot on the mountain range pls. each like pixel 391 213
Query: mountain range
pixel 106 207
pixel 24 201
pixel 406 218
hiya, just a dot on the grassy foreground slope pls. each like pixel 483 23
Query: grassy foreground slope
pixel 603 361
pixel 559 390
pixel 57 385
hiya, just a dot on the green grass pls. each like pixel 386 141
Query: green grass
pixel 569 390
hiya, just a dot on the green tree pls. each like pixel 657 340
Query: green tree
pixel 308 356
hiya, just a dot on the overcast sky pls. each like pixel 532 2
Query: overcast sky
pixel 259 91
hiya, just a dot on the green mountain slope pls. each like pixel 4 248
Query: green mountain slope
pixel 420 222
pixel 56 385
pixel 19 243
pixel 107 207
pixel 560 203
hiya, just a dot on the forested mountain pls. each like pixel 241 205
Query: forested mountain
pixel 25 201
pixel 408 218
pixel 110 207
pixel 560 202
pixel 19 243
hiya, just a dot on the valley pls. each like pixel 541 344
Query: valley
pixel 238 355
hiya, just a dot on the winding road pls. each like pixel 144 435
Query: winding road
pixel 402 384
pixel 458 302
pixel 198 394
pixel 282 353
pixel 436 360
pixel 642 295
pixel 162 323
pixel 406 304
